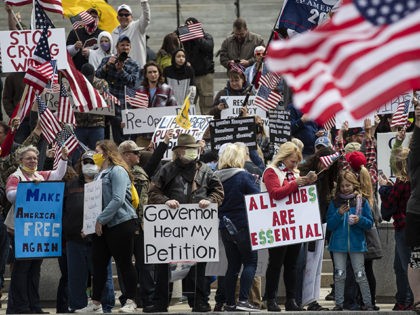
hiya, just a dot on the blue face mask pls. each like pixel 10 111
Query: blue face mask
pixel 105 46
pixel 212 165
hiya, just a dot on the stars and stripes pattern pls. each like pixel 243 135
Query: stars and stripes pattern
pixel 85 96
pixel 136 98
pixel 328 160
pixel 111 99
pixel 49 124
pixel 349 64
pixel 190 32
pixel 38 76
pixel 42 51
pixel 266 98
pixel 41 18
pixel 25 106
pixel 65 113
pixel 65 138
pixel 82 19
pixel 330 123
pixel 400 117
pixel 48 5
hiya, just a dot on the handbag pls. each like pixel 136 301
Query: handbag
pixel 374 246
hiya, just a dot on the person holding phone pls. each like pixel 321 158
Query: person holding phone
pixel 119 71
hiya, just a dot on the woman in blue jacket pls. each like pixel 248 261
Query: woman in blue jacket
pixel 349 216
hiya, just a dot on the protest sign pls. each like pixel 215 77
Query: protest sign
pixel 52 101
pixel 294 219
pixel 199 124
pixel 92 206
pixel 188 233
pixel 391 106
pixel 145 120
pixel 343 116
pixel 279 125
pixel 240 129
pixel 38 214
pixel 18 46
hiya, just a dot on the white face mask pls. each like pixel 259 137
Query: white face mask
pixel 90 169
pixel 191 154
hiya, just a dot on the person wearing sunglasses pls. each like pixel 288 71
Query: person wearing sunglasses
pixel 133 29
pixel 258 68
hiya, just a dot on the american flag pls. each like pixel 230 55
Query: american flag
pixel 328 160
pixel 85 96
pixel 41 18
pixel 25 106
pixel 266 98
pixel 330 123
pixel 82 19
pixel 136 98
pixel 64 138
pixel 42 50
pixel 349 63
pixel 38 76
pixel 399 118
pixel 49 124
pixel 48 5
pixel 270 80
pixel 65 113
pixel 190 32
pixel 109 98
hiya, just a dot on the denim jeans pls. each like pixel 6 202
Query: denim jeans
pixel 404 294
pixel 238 253
pixel 357 262
pixel 79 265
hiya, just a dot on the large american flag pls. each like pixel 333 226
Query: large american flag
pixel 38 76
pixel 190 32
pixel 400 117
pixel 82 19
pixel 355 62
pixel 48 5
pixel 42 51
pixel 136 98
pixel 65 138
pixel 85 96
pixel 49 123
pixel 65 113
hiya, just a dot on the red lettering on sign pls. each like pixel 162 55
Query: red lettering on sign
pixel 254 240
pixel 252 204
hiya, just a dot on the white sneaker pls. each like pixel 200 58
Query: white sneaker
pixel 129 307
pixel 90 308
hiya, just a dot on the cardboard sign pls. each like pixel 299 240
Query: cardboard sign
pixel 240 129
pixel 38 214
pixel 188 233
pixel 145 120
pixel 280 131
pixel 92 206
pixel 294 219
pixel 18 47
pixel 199 124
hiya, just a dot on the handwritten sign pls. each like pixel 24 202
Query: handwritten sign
pixel 18 47
pixel 188 233
pixel 280 131
pixel 294 219
pixel 38 215
pixel 199 124
pixel 145 120
pixel 92 206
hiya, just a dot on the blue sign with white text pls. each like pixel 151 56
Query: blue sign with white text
pixel 38 219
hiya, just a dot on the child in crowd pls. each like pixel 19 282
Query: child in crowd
pixel 349 215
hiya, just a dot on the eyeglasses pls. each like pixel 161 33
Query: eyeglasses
pixel 88 162
pixel 259 54
pixel 124 14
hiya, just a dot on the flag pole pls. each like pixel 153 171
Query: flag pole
pixel 259 65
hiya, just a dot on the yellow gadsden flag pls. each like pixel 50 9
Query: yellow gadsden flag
pixel 182 119
pixel 107 14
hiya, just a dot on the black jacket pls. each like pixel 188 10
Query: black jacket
pixel 200 54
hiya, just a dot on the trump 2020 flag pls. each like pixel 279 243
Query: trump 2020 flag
pixel 365 55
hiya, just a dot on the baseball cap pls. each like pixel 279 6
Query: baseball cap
pixel 123 38
pixel 88 155
pixel 324 141
pixel 129 146
pixel 124 7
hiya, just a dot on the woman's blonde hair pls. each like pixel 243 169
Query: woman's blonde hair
pixel 110 149
pixel 401 154
pixel 20 152
pixel 351 178
pixel 233 156
pixel 298 143
pixel 285 150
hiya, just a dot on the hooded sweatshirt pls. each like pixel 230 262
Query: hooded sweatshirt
pixel 236 183
pixel 96 56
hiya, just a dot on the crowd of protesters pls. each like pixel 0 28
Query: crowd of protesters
pixel 134 174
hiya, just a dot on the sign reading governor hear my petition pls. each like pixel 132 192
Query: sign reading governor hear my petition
pixel 38 216
pixel 188 233
pixel 294 219
pixel 18 47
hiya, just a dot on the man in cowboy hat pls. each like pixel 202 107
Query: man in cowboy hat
pixel 185 180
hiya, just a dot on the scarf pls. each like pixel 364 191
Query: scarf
pixel 359 201
pixel 290 175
